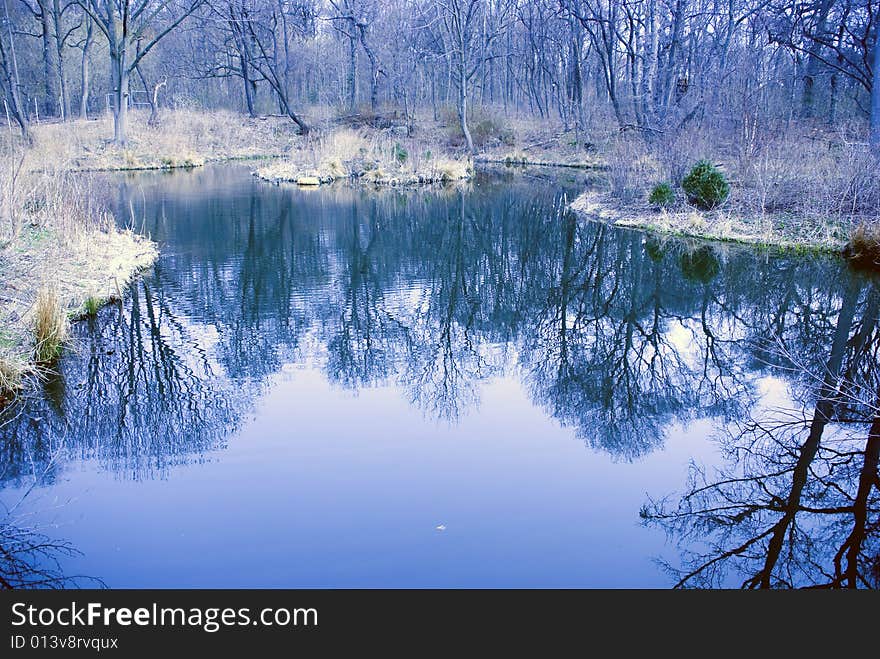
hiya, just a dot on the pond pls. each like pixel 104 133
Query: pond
pixel 451 387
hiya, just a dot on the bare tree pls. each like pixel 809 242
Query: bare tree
pixel 875 97
pixel 9 81
pixel 132 29
pixel 255 27
pixel 469 27
pixel 41 11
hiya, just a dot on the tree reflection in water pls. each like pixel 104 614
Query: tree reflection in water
pixel 614 334
pixel 29 558
pixel 799 503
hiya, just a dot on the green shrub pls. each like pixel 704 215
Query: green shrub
pixel 662 195
pixel 705 186
pixel 400 153
pixel 91 306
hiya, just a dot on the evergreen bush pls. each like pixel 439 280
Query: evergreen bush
pixel 661 195
pixel 706 186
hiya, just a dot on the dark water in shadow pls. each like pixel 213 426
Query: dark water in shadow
pixel 453 387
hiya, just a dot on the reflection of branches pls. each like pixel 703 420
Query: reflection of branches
pixel 800 505
pixel 31 559
pixel 604 356
pixel 615 336
pixel 144 395
pixel 448 361
pixel 28 557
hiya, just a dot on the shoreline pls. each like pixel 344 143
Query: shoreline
pixel 295 174
pixel 781 233
pixel 94 265
pixel 87 272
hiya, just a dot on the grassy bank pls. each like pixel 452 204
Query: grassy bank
pixel 797 188
pixel 380 157
pixel 395 150
pixel 61 257
pixel 724 224
pixel 181 138
pixel 393 147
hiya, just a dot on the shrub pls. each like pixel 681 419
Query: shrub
pixel 400 153
pixel 705 186
pixel 91 306
pixel 661 195
pixel 863 248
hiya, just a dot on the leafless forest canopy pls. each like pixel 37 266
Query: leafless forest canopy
pixel 652 66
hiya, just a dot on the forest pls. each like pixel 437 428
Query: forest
pixel 742 68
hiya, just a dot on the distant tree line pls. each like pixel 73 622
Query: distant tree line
pixel 653 66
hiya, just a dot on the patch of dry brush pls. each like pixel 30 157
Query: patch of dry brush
pixel 863 248
pixel 182 138
pixel 790 189
pixel 378 157
pixel 58 248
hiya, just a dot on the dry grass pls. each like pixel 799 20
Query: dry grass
pixel 58 247
pixel 863 248
pixel 789 188
pixel 183 138
pixel 380 157
pixel 541 142
pixel 723 224
pixel 815 176
pixel 12 371
pixel 50 325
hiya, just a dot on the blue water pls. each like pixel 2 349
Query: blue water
pixel 345 387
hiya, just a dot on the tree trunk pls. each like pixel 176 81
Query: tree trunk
pixel 63 101
pixel 84 72
pixel 672 57
pixel 813 63
pixel 49 103
pixel 154 103
pixel 9 85
pixel 248 89
pixel 374 68
pixel 832 101
pixel 875 100
pixel 120 109
pixel 435 107
pixel 374 89
pixel 302 125
pixel 462 108
pixel 352 74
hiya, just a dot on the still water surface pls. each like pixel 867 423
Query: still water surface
pixel 451 387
